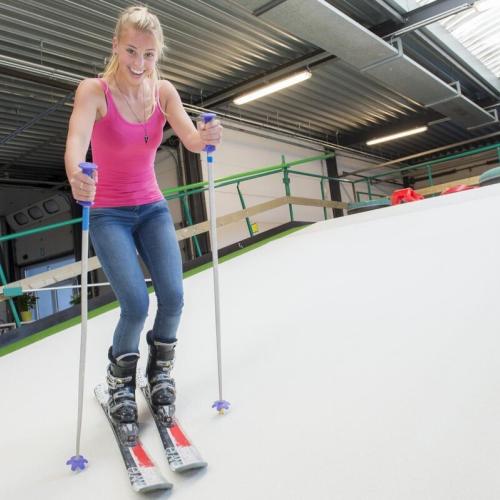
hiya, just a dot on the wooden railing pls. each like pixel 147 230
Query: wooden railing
pixel 72 270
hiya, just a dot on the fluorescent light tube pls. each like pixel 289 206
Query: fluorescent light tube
pixel 273 87
pixel 391 137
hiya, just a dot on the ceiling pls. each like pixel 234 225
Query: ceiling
pixel 217 49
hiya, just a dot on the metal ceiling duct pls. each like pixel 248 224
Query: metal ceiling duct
pixel 318 22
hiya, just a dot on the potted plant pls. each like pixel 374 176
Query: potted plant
pixel 24 303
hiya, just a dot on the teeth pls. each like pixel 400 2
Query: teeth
pixel 136 72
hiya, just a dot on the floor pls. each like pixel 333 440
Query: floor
pixel 360 355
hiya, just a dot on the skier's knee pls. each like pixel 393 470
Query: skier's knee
pixel 136 312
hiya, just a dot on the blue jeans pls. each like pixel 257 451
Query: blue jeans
pixel 117 235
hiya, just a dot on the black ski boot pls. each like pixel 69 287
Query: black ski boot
pixel 122 407
pixel 161 384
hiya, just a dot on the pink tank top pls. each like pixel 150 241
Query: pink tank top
pixel 125 161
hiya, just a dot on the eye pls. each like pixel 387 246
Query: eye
pixel 130 50
pixel 150 55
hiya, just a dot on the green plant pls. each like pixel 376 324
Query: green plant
pixel 26 301
pixel 75 298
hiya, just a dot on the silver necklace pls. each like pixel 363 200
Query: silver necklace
pixel 146 136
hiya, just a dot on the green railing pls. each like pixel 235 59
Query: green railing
pixel 369 195
pixel 428 166
pixel 183 192
pixel 284 168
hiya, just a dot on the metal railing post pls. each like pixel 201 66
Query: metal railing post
pixel 187 213
pixel 286 182
pixel 249 225
pixel 11 302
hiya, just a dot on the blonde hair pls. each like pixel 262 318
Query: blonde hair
pixel 139 18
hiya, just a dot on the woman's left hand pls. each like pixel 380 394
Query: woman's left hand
pixel 210 133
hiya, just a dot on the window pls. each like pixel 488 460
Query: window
pixel 477 30
pixel 51 301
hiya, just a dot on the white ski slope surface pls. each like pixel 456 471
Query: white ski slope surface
pixel 361 357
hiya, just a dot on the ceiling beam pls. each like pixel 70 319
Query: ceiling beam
pixel 404 123
pixel 39 73
pixel 425 154
pixel 308 61
pixel 36 119
pixel 439 39
pixel 394 13
pixel 423 16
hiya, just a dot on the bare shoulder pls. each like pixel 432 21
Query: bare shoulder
pixel 90 94
pixel 168 93
pixel 166 87
pixel 90 87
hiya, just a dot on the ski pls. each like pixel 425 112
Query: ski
pixel 141 470
pixel 181 454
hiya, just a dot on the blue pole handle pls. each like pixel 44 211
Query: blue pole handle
pixel 87 169
pixel 208 117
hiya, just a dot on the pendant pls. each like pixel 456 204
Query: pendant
pixel 146 139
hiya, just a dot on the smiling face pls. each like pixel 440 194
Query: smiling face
pixel 137 54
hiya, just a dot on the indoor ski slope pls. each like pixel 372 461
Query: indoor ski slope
pixel 361 357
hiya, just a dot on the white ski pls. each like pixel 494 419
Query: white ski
pixel 142 473
pixel 181 454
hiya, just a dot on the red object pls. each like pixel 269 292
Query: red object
pixel 178 435
pixel 405 196
pixel 142 457
pixel 457 189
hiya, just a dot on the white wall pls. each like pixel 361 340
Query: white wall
pixel 166 174
pixel 241 152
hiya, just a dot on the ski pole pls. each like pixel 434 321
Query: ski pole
pixel 77 461
pixel 220 405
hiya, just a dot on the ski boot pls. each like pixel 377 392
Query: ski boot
pixel 160 383
pixel 122 408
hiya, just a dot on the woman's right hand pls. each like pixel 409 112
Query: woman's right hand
pixel 83 186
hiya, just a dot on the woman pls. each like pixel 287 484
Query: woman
pixel 122 115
